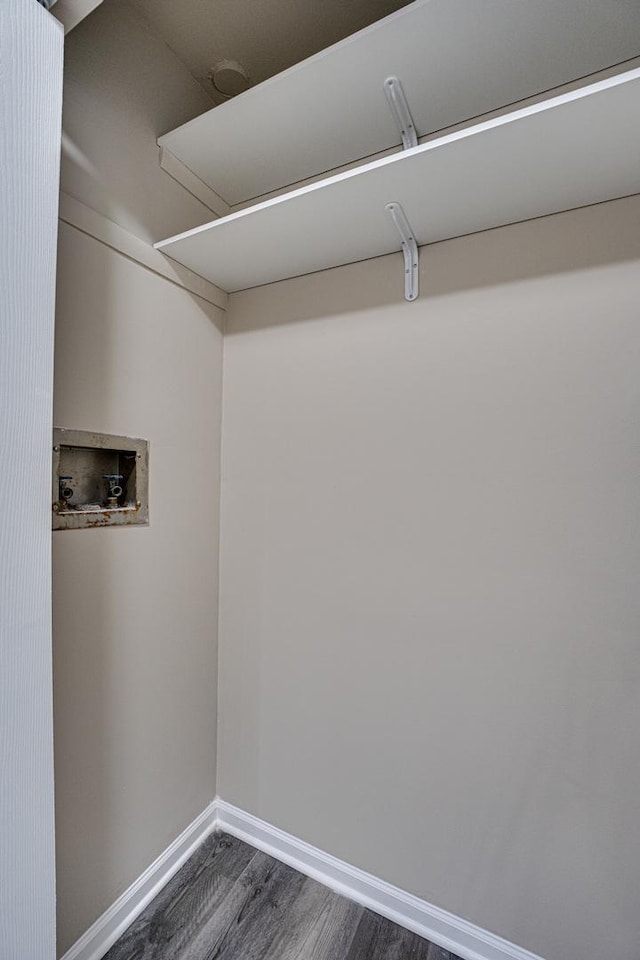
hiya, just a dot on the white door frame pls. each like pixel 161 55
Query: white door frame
pixel 31 55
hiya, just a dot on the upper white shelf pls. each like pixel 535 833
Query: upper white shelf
pixel 575 149
pixel 457 59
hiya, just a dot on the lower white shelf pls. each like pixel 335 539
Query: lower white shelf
pixel 573 150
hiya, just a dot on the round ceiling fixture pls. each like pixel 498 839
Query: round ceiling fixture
pixel 229 78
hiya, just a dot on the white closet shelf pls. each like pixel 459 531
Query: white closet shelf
pixel 573 150
pixel 456 59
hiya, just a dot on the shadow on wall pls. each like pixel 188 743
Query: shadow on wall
pixel 123 87
pixel 583 239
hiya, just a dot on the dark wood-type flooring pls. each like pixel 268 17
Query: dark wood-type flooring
pixel 232 902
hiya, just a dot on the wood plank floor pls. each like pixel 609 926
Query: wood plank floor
pixel 232 902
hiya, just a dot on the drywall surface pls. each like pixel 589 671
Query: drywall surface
pixel 123 87
pixel 31 67
pixel 430 605
pixel 135 608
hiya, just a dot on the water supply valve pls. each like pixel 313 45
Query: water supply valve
pixel 65 492
pixel 114 489
pixel 99 480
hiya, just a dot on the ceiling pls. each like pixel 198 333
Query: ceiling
pixel 265 36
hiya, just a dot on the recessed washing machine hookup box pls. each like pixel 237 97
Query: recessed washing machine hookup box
pixel 99 480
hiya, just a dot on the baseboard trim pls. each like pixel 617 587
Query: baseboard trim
pixel 101 935
pixel 445 929
pixel 461 937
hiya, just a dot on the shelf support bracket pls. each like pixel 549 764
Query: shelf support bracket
pixel 401 112
pixel 409 249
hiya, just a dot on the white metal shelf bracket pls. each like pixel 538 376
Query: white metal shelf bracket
pixel 409 249
pixel 401 113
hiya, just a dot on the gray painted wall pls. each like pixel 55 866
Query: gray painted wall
pixel 429 574
pixel 31 48
pixel 135 609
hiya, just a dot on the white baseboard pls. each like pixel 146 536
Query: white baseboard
pixel 101 935
pixel 462 938
pixel 453 933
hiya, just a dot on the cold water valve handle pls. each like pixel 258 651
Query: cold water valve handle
pixel 114 489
